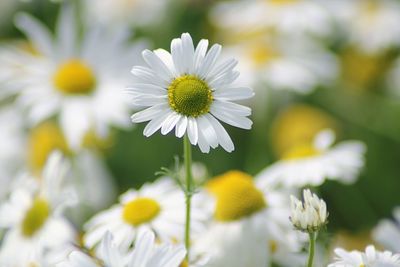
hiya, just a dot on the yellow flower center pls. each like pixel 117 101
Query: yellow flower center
pixel 44 139
pixel 184 264
pixel 190 96
pixel 92 140
pixel 35 217
pixel 262 53
pixel 301 151
pixel 236 196
pixel 273 246
pixel 140 210
pixel 297 125
pixel 74 77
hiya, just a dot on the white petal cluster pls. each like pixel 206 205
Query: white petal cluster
pixel 370 258
pixel 145 254
pixel 310 214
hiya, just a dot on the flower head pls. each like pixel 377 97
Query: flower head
pixel 309 215
pixel 187 90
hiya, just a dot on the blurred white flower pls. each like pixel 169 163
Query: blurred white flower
pixel 187 90
pixel 159 207
pixel 32 216
pixel 250 225
pixel 146 253
pixel 79 80
pixel 369 258
pixel 284 63
pixel 369 24
pixel 312 164
pixel 294 17
pixel 387 232
pixel 122 12
pixel 309 215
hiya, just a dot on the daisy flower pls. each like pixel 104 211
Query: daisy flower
pixel 387 232
pixel 159 207
pixel 370 258
pixel 368 24
pixel 32 216
pixel 146 253
pixel 77 80
pixel 249 226
pixel 311 164
pixel 187 90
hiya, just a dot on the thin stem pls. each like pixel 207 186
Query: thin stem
pixel 311 249
pixel 187 154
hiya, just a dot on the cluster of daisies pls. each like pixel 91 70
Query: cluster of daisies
pixel 64 94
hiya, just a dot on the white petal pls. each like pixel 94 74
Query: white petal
pixel 202 142
pixel 199 54
pixel 66 30
pixel 166 57
pixel 237 93
pixel 181 126
pixel 177 55
pixel 188 52
pixel 155 124
pixel 207 131
pixel 209 61
pixel 231 108
pixel 237 121
pixel 192 131
pixel 144 88
pixel 157 65
pixel 148 76
pixel 221 69
pixel 223 137
pixel 170 123
pixel 148 100
pixel 36 32
pixel 149 113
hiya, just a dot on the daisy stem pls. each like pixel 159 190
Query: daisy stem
pixel 311 249
pixel 187 149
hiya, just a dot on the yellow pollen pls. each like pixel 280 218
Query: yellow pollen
pixel 140 210
pixel 301 151
pixel 35 217
pixel 43 140
pixel 190 96
pixel 262 53
pixel 74 77
pixel 298 125
pixel 236 196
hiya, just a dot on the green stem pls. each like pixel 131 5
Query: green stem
pixel 311 249
pixel 187 149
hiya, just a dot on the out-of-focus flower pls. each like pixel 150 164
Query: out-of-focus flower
pixel 313 163
pixel 393 78
pixel 33 218
pixel 387 232
pixel 78 80
pixel 299 124
pixel 309 215
pixel 370 25
pixel 122 12
pixel 273 59
pixel 159 207
pixel 146 253
pixel 370 258
pixel 294 17
pixel 351 241
pixel 250 225
pixel 187 90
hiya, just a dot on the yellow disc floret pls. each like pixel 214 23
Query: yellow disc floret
pixel 35 217
pixel 74 77
pixel 301 151
pixel 140 210
pixel 190 96
pixel 261 53
pixel 44 139
pixel 236 196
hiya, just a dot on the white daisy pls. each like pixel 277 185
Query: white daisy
pixel 369 258
pixel 146 253
pixel 387 232
pixel 122 12
pixel 272 59
pixel 187 90
pixel 250 225
pixel 159 207
pixel 369 24
pixel 281 15
pixel 33 219
pixel 312 164
pixel 79 80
